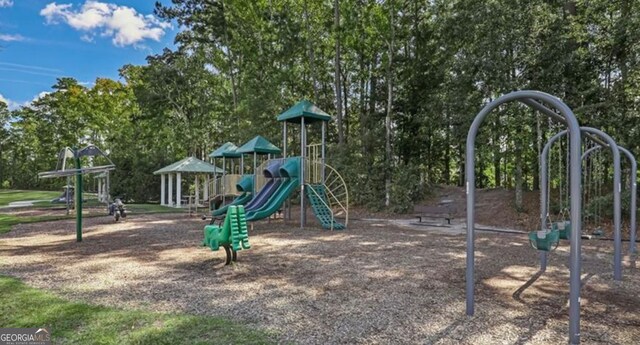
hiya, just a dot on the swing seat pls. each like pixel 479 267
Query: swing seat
pixel 563 227
pixel 544 240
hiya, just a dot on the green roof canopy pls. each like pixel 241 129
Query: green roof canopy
pixel 227 149
pixel 189 165
pixel 259 145
pixel 304 109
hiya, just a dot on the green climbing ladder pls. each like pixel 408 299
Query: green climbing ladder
pixel 232 235
pixel 317 196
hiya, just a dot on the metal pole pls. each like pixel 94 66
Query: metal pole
pixel 575 153
pixel 632 180
pixel 634 190
pixel 284 139
pixel 544 192
pixel 324 125
pixel 617 186
pixel 242 164
pixel 303 142
pixel 67 194
pixel 78 197
pixel 224 178
pixel 215 177
pixel 255 174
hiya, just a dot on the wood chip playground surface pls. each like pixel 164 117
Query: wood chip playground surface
pixel 375 283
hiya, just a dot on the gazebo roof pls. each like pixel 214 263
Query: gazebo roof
pixel 189 165
pixel 259 145
pixel 304 109
pixel 227 149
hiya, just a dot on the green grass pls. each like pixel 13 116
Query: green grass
pixel 11 195
pixel 79 323
pixel 152 208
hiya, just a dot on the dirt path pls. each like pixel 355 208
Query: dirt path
pixel 376 283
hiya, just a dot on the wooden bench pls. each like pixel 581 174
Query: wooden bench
pixel 434 212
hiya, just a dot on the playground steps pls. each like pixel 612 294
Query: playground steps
pixel 318 199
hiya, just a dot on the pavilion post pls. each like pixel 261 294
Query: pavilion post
pixel 197 199
pixel 179 190
pixel 108 186
pixel 162 190
pixel 170 201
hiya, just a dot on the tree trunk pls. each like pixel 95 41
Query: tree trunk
pixel 536 171
pixel 519 205
pixel 447 152
pixel 234 88
pixel 312 67
pixel 496 152
pixel 388 158
pixel 363 106
pixel 336 22
pixel 346 107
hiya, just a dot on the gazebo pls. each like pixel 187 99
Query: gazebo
pixel 189 165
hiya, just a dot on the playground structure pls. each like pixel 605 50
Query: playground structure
pixel 276 179
pixel 225 185
pixel 78 171
pixel 537 101
pixel 263 193
pixel 244 184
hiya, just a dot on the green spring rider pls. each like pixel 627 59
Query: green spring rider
pixel 232 235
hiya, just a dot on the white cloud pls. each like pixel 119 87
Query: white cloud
pixel 11 104
pixel 11 38
pixel 123 24
pixel 87 38
pixel 6 3
pixel 40 95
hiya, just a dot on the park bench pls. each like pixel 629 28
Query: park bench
pixel 444 210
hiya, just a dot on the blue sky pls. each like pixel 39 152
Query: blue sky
pixel 41 40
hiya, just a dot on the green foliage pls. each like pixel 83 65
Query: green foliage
pixel 408 189
pixel 79 323
pixel 237 64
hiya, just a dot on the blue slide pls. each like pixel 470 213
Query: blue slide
pixel 289 172
pixel 273 172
